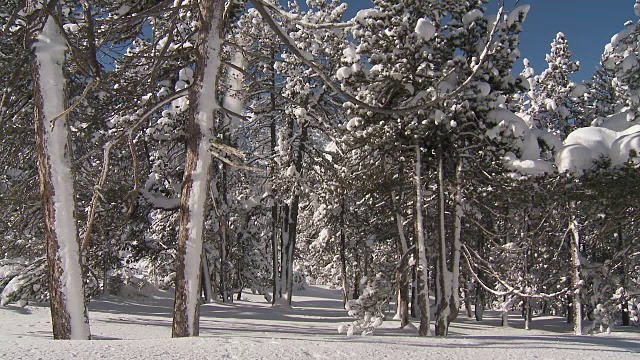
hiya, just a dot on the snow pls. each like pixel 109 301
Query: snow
pixel 425 29
pixel 50 51
pixel 471 16
pixel 483 88
pixel 514 15
pixel 596 139
pixel 622 146
pixel 353 123
pixel 527 167
pixel 578 91
pixel 364 14
pixel 233 99
pixel 508 121
pixel 619 121
pixel 140 328
pixel 344 72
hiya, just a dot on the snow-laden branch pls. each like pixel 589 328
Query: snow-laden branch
pixel 102 178
pixel 309 61
pixel 302 23
pixel 510 290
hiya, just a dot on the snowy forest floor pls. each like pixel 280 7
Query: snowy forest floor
pixel 138 326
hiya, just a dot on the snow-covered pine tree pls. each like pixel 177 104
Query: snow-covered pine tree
pixel 447 65
pixel 553 101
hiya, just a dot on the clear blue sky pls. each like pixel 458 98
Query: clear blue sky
pixel 587 24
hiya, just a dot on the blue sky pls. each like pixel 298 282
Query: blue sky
pixel 587 24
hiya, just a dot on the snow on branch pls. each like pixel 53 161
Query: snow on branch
pixel 309 61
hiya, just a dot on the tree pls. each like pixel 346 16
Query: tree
pixel 66 290
pixel 197 170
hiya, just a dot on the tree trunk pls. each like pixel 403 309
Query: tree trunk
pixel 356 276
pixel 343 257
pixel 209 295
pixel 293 216
pixel 624 302
pixel 506 307
pixel 447 294
pixel 402 312
pixel 402 271
pixel 422 265
pixel 202 105
pixel 274 206
pixel 576 282
pixel 467 300
pixel 66 289
pixel 415 309
pixel 526 312
pixel 480 299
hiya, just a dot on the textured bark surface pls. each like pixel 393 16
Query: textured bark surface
pixel 422 265
pixel 576 282
pixel 211 12
pixel 60 317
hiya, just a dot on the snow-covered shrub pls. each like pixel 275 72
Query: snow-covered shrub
pixel 299 280
pixel 602 319
pixel 115 281
pixel 22 281
pixel 370 308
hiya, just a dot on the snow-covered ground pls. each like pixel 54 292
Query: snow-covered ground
pixel 139 327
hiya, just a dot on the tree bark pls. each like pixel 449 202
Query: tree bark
pixel 274 206
pixel 343 257
pixel 402 272
pixel 66 289
pixel 422 265
pixel 624 302
pixel 202 106
pixel 576 281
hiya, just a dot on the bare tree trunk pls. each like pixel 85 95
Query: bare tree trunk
pixel 202 106
pixel 422 265
pixel 443 281
pixel 480 299
pixel 526 312
pixel 415 309
pixel 224 268
pixel 206 276
pixel 467 299
pixel 293 216
pixel 66 289
pixel 284 254
pixel 448 294
pixel 357 275
pixel 402 272
pixel 343 257
pixel 506 307
pixel 274 206
pixel 624 300
pixel 576 281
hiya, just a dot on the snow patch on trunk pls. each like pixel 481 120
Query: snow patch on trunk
pixel 200 176
pixel 50 54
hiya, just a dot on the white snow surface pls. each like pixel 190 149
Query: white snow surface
pixel 514 15
pixel 139 327
pixel 618 122
pixel 614 137
pixel 425 29
pixel 50 53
